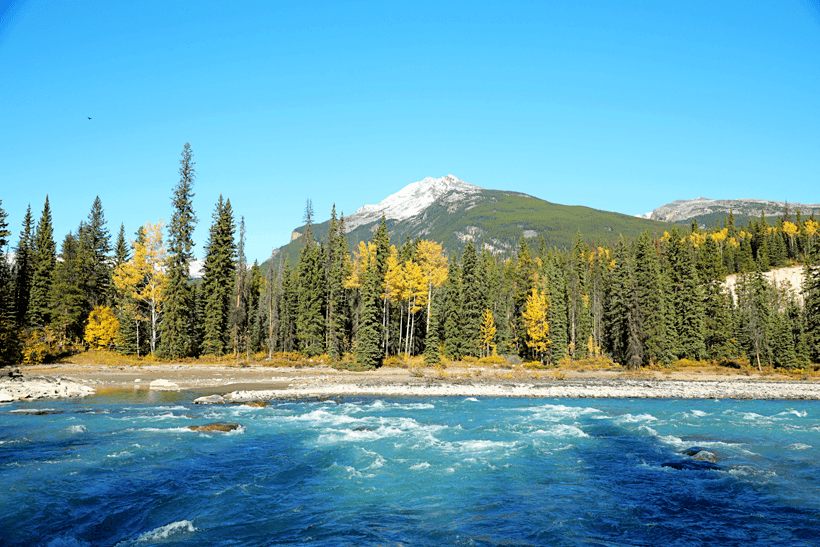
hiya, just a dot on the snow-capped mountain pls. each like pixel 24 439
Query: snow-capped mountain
pixel 454 213
pixel 413 199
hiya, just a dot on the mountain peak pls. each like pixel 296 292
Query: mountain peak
pixel 413 199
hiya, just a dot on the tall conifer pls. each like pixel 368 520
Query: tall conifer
pixel 176 325
pixel 44 260
pixel 218 280
pixel 686 299
pixel 23 269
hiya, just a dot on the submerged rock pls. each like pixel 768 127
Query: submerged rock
pixel 216 426
pixel 256 404
pixel 209 400
pixel 36 411
pixel 691 465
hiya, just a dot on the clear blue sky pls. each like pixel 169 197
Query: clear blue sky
pixel 622 106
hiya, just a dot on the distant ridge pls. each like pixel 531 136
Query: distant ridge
pixel 706 210
pixel 453 212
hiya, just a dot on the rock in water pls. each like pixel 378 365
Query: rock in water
pixel 688 465
pixel 705 456
pixel 216 426
pixel 257 404
pixel 161 383
pixel 210 400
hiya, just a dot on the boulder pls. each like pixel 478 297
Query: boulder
pixel 161 383
pixel 209 400
pixel 705 456
pixel 257 404
pixel 216 426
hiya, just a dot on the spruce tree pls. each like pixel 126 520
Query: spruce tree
pixel 577 299
pixel 44 260
pixel 122 253
pixel 69 301
pixel 451 313
pixel 310 319
pixel 240 299
pixel 288 309
pixel 23 269
pixel 717 316
pixel 337 272
pixel 96 243
pixel 686 299
pixel 557 311
pixel 755 321
pixel 472 303
pixel 651 303
pixel 368 340
pixel 9 347
pixel 432 340
pixel 175 328
pixel 811 291
pixel 218 280
pixel 623 336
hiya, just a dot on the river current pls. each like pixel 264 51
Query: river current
pixel 122 468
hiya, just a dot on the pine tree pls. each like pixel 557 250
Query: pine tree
pixel 289 309
pixel 451 313
pixel 23 269
pixel 121 251
pixel 9 347
pixel 620 311
pixel 717 316
pixel 686 299
pixel 218 280
pixel 97 246
pixel 368 340
pixel 472 300
pixel 557 293
pixel 68 299
pixel 337 272
pixel 175 329
pixel 44 260
pixel 240 299
pixel 651 303
pixel 310 319
pixel 755 326
pixel 811 291
pixel 432 340
pixel 577 299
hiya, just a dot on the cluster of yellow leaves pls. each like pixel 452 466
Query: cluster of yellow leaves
pixel 102 328
pixel 363 257
pixel 536 323
pixel 143 277
pixel 487 333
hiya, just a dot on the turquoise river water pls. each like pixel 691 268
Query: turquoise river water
pixel 122 468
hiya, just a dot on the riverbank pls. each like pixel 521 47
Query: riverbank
pixel 248 383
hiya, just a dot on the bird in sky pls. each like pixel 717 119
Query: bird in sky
pixel 89 117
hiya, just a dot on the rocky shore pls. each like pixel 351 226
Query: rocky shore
pixel 15 386
pixel 255 383
pixel 580 388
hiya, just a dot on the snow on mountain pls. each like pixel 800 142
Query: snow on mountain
pixel 685 209
pixel 412 200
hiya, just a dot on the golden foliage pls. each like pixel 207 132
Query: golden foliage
pixel 535 321
pixel 102 328
pixel 487 333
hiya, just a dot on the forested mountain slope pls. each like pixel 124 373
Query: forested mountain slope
pixel 453 212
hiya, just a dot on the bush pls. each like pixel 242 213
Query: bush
pixel 492 360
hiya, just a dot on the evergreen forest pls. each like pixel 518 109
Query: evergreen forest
pixel 647 302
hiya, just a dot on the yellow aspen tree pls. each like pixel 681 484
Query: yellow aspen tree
pixel 790 229
pixel 362 256
pixel 415 294
pixel 143 278
pixel 536 323
pixel 487 332
pixel 433 265
pixel 101 328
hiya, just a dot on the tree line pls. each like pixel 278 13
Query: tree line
pixel 643 302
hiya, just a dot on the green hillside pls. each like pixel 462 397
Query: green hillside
pixel 498 220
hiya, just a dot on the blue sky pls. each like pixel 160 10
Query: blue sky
pixel 622 106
